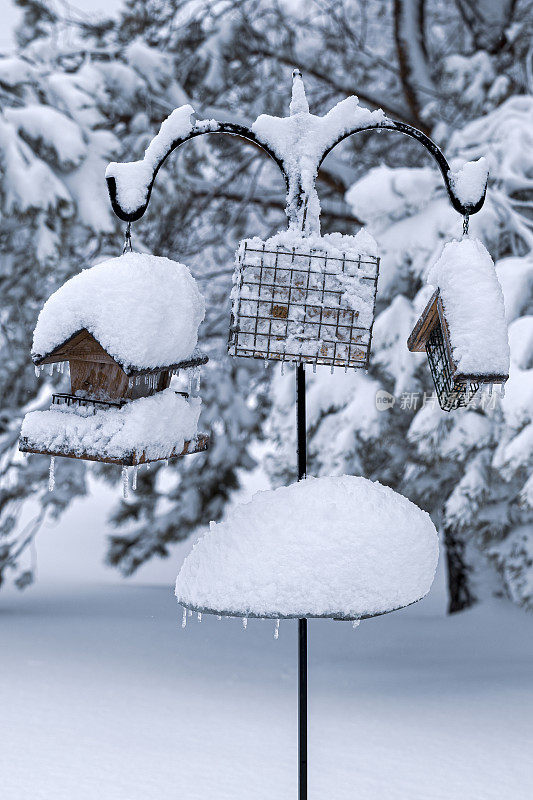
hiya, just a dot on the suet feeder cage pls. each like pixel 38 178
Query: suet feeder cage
pixel 303 304
pixel 431 334
pixel 462 328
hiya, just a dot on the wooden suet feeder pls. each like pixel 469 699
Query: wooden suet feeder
pixel 463 328
pixel 431 334
pixel 120 408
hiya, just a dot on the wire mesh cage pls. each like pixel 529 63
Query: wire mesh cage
pixel 454 388
pixel 303 305
pixel 452 393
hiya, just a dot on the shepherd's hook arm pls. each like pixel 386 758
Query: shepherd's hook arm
pixel 243 132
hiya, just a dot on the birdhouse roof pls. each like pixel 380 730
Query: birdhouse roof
pixel 142 309
pixel 333 546
pixel 468 300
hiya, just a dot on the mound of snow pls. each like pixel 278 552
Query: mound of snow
pixel 156 425
pixel 340 547
pixel 469 183
pixel 474 308
pixel 144 310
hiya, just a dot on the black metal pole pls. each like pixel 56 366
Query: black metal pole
pixel 302 623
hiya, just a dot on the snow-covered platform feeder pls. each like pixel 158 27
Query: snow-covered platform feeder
pixel 463 328
pixel 342 547
pixel 305 299
pixel 125 327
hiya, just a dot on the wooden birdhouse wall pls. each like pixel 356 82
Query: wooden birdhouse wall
pixel 94 373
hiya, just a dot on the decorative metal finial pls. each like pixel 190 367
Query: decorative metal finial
pixel 299 102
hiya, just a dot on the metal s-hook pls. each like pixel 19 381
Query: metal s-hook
pixel 127 240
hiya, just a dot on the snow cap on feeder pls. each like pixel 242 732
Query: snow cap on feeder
pixel 463 327
pixel 341 547
pixel 124 326
pixel 299 296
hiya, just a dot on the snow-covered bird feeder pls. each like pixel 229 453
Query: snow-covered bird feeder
pixel 341 547
pixel 124 327
pixel 305 299
pixel 463 328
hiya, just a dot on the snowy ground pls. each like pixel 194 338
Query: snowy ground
pixel 104 696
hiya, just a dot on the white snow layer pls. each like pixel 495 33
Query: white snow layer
pixel 303 137
pixel 474 308
pixel 144 310
pixel 133 178
pixel 470 181
pixel 341 546
pixel 156 425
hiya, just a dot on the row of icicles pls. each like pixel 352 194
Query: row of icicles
pixel 488 386
pixel 59 365
pixel 125 476
pixel 188 613
pixel 193 376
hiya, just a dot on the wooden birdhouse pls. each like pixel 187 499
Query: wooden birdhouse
pixel 463 328
pixel 305 300
pixel 124 328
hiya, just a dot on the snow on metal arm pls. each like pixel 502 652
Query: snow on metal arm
pixel 298 144
pixel 466 200
pixel 130 184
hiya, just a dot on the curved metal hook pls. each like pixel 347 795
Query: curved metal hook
pixel 241 131
pixel 431 147
pixel 230 128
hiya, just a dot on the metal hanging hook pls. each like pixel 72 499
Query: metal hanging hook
pixel 127 240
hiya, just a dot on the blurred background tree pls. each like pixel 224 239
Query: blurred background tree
pixel 78 92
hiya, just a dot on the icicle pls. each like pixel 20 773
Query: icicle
pixel 276 630
pixel 52 475
pixel 491 386
pixel 199 616
pixel 37 371
pixel 198 381
pixel 332 368
pixel 356 623
pixel 266 363
pixel 134 479
pixel 219 617
pixel 314 368
pixel 282 367
pixel 124 482
pixel 184 618
pixel 189 382
pixel 190 612
pixel 502 390
pixel 50 369
pixel 245 622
